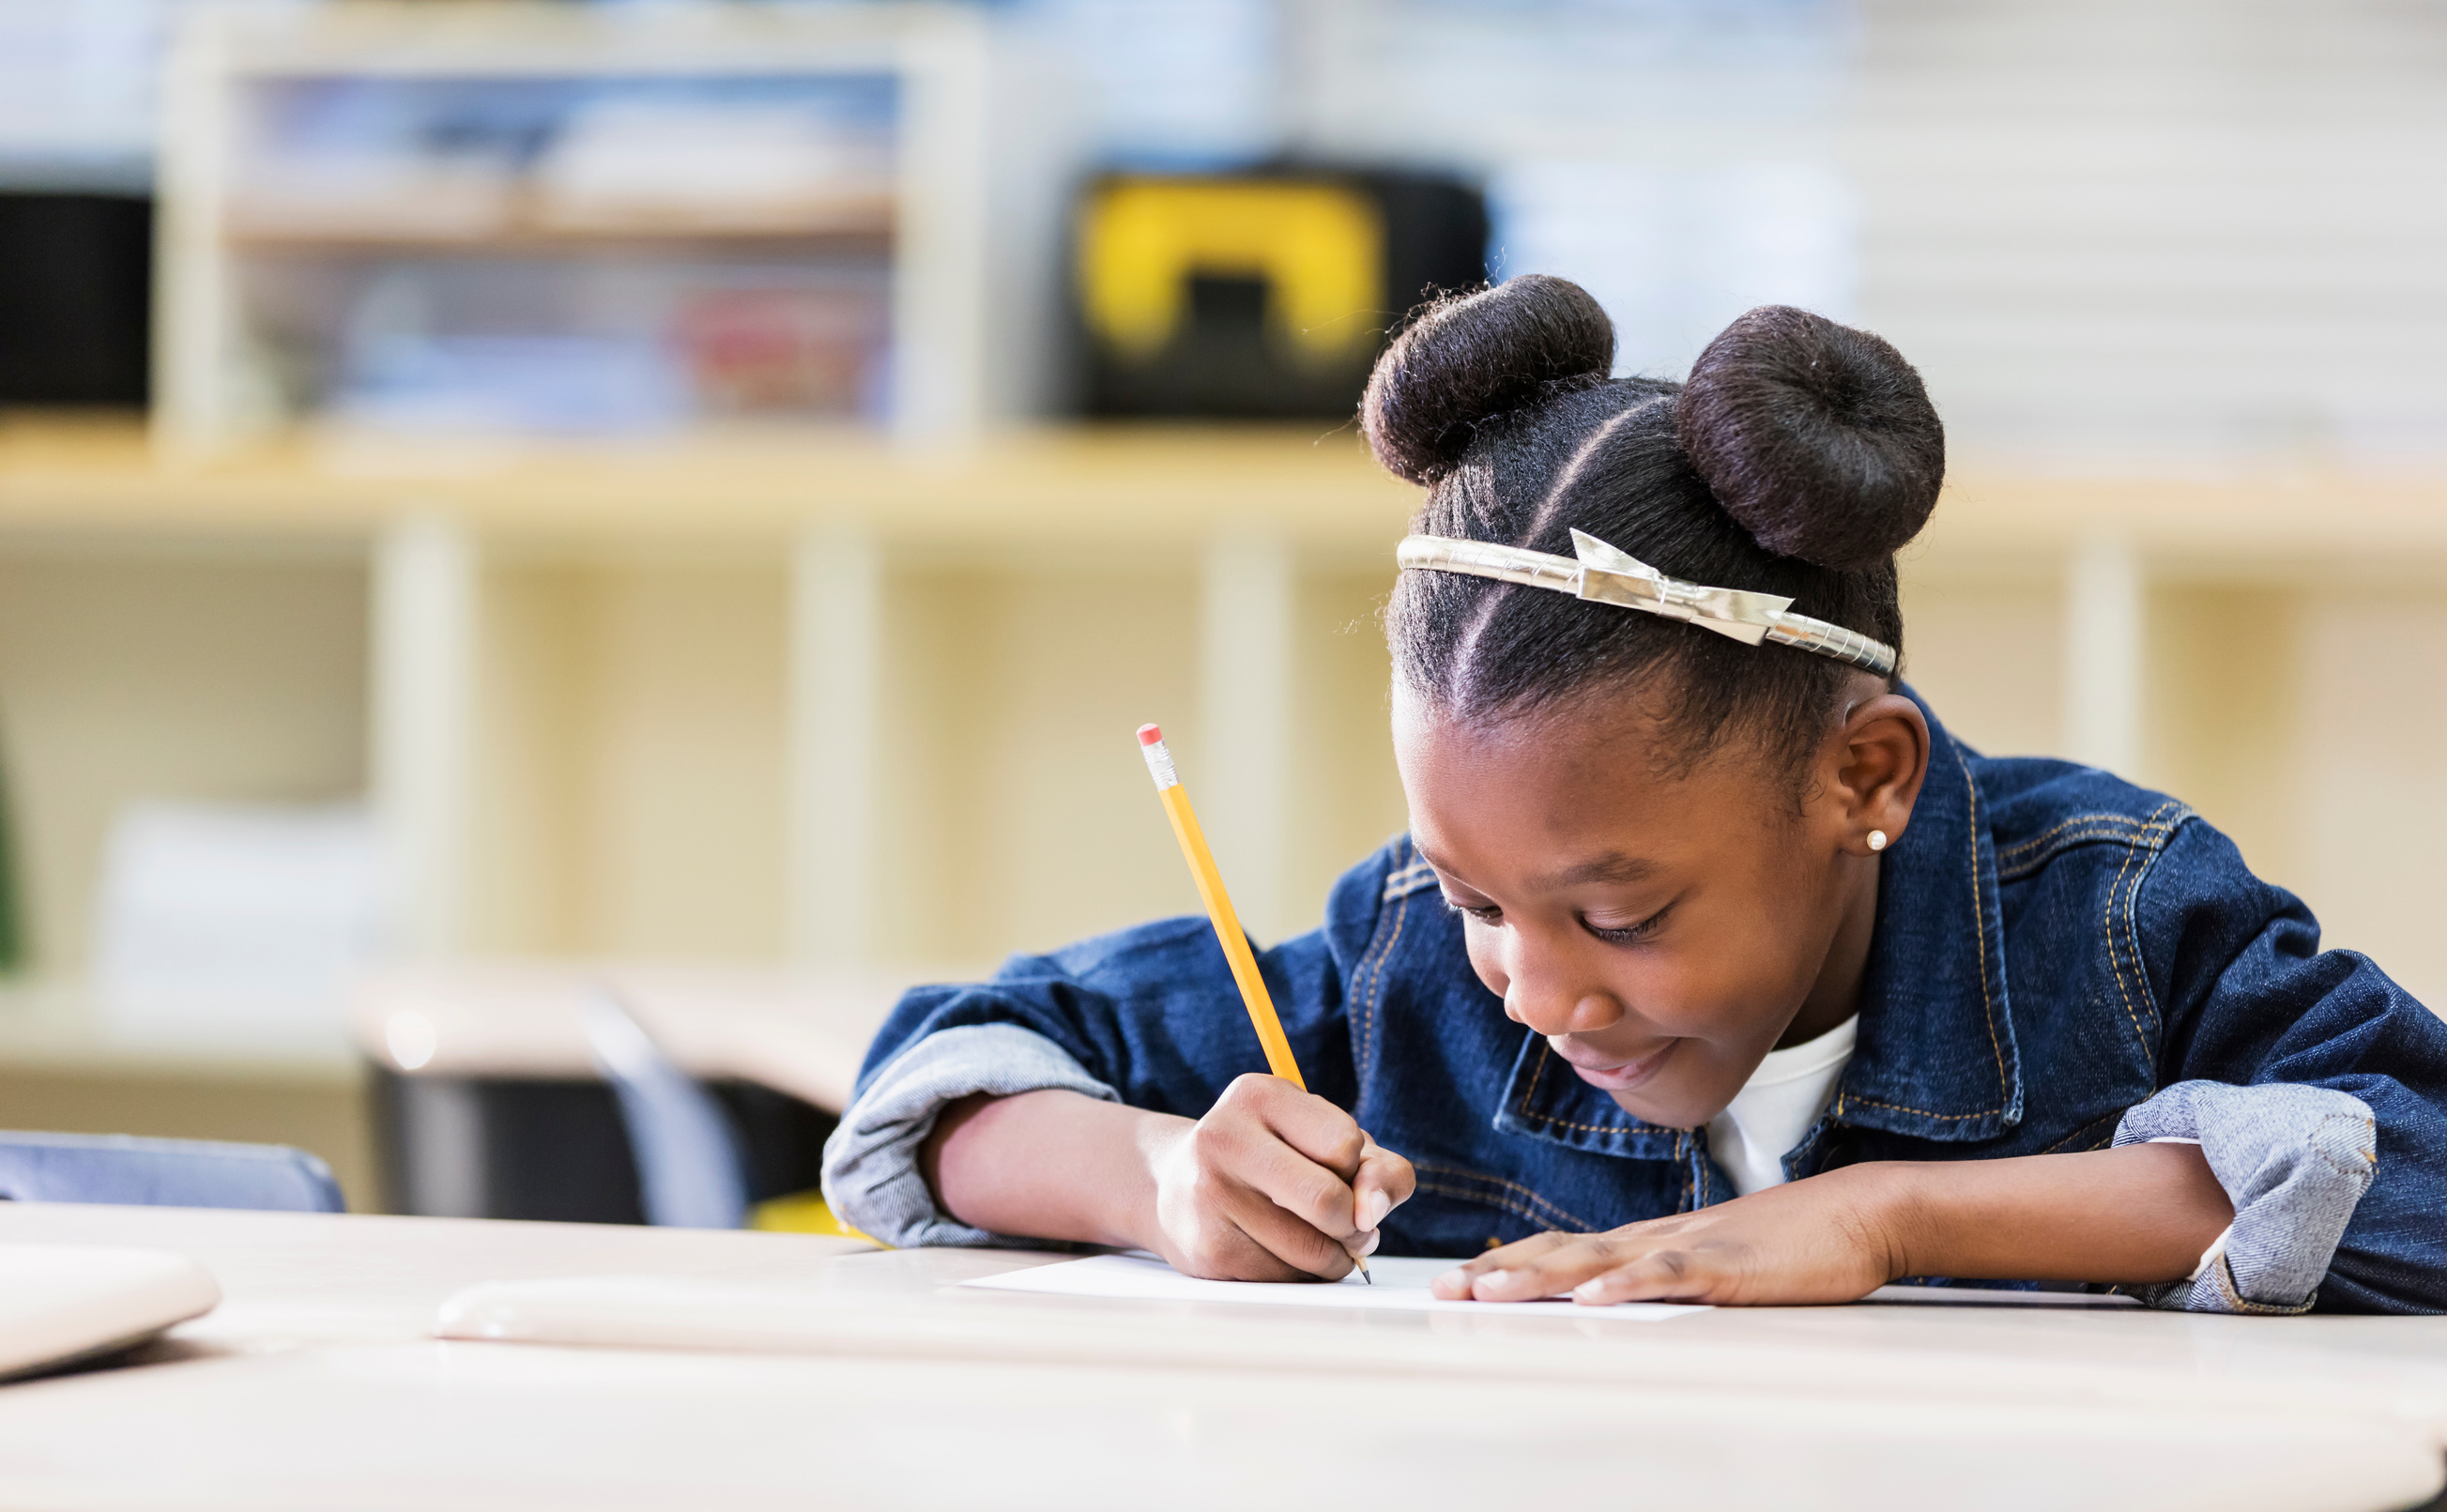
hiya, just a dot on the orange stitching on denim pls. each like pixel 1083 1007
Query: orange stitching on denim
pixel 2064 835
pixel 2115 967
pixel 1467 1174
pixel 2132 902
pixel 2019 870
pixel 1376 985
pixel 2107 926
pixel 2062 824
pixel 1485 1200
pixel 1537 1074
pixel 1980 933
pixel 2311 1141
pixel 2222 1275
pixel 2111 1121
pixel 1529 1205
pixel 2069 823
pixel 1943 1118
pixel 1374 963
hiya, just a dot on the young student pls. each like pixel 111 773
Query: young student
pixel 1712 967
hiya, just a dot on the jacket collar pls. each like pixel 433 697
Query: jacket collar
pixel 1935 1058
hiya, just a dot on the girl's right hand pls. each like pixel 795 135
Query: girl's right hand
pixel 1273 1184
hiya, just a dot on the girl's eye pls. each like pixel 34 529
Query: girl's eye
pixel 1484 913
pixel 1629 934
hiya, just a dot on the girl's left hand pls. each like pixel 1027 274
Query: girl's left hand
pixel 1825 1239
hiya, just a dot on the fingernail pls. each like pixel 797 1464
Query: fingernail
pixel 1368 1245
pixel 1378 1204
pixel 1456 1279
pixel 1495 1280
pixel 1589 1292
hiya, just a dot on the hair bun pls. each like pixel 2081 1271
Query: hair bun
pixel 1817 438
pixel 1465 358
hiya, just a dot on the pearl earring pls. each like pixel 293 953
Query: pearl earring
pixel 1877 840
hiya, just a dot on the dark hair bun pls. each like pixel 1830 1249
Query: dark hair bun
pixel 1466 358
pixel 1817 438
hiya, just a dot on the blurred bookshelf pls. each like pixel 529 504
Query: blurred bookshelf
pixel 548 218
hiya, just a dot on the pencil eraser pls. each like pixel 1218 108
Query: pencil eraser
pixel 1149 735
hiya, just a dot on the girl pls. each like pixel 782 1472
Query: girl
pixel 1712 968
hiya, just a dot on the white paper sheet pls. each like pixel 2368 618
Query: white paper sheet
pixel 1401 1286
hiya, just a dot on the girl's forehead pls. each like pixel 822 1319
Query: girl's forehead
pixel 1588 742
pixel 1564 813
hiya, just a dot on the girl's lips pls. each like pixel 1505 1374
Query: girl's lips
pixel 1622 1075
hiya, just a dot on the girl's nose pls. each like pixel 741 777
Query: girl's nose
pixel 1568 1012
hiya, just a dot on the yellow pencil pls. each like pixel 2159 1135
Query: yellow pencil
pixel 1227 924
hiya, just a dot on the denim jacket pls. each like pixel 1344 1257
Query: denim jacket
pixel 2054 949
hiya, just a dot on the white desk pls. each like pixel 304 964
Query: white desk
pixel 315 1387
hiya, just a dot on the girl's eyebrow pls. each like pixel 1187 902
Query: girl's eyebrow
pixel 1614 866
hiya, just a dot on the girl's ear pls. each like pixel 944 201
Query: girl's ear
pixel 1881 756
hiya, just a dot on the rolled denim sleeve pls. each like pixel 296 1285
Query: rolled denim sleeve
pixel 2254 1004
pixel 871 1178
pixel 2295 1162
pixel 1147 1017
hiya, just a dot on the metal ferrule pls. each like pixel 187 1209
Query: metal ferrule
pixel 1158 760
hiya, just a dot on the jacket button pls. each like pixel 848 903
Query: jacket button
pixel 1494 1242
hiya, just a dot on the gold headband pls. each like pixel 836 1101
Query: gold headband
pixel 1605 576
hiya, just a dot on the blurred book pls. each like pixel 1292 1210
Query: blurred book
pixel 609 346
pixel 547 384
pixel 713 167
pixel 348 195
pixel 778 351
pixel 233 921
pixel 442 160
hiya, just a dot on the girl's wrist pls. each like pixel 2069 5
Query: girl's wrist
pixel 1133 1214
pixel 1897 1223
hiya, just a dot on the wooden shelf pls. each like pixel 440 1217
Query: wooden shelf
pixel 861 226
pixel 1134 484
pixel 1313 484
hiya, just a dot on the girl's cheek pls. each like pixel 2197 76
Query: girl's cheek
pixel 1483 960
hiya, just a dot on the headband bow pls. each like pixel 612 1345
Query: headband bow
pixel 1604 575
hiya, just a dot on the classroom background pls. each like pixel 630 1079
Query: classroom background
pixel 500 503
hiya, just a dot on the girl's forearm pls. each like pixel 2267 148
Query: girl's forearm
pixel 2137 1214
pixel 1049 1166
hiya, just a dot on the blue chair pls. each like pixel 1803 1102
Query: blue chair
pixel 690 1173
pixel 163 1173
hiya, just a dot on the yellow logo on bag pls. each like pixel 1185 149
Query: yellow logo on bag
pixel 1319 249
